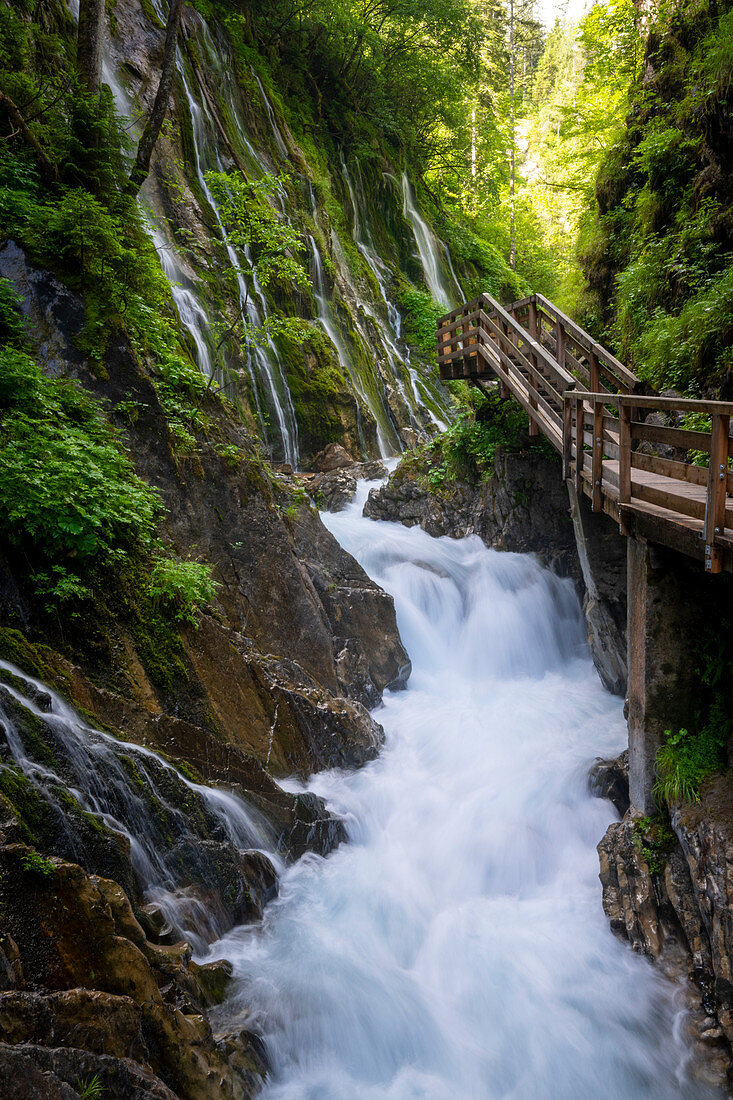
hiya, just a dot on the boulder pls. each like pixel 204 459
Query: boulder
pixel 332 457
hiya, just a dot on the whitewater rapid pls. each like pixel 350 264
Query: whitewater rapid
pixel 456 948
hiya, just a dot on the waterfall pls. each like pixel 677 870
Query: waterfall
pixel 179 834
pixel 264 363
pixel 456 948
pixel 427 246
pixel 420 398
pixel 279 140
pixel 387 437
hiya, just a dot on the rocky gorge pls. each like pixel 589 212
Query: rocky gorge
pixel 231 851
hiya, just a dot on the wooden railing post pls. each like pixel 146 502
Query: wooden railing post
pixel 624 461
pixel 567 435
pixel 531 383
pixel 597 459
pixel 560 343
pixel 579 444
pixel 716 494
pixel 594 379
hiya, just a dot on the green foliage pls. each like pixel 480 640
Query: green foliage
pixel 182 587
pixel 421 316
pixel 484 425
pixel 658 258
pixel 90 1088
pixel 68 492
pixel 688 756
pixel 12 325
pixel 655 839
pixel 253 227
pixel 36 864
pixel 683 761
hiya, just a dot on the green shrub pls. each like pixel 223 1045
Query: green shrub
pixel 68 492
pixel 683 761
pixel 421 315
pixel 36 864
pixel 655 839
pixel 182 587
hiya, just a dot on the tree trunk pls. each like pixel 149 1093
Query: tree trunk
pixel 512 242
pixel 156 118
pixel 47 169
pixel 89 44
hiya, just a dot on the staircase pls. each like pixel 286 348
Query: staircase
pixel 628 451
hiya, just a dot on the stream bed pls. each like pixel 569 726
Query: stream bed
pixel 456 948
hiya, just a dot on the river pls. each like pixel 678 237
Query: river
pixel 456 948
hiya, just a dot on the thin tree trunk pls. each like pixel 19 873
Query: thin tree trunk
pixel 47 169
pixel 512 241
pixel 156 118
pixel 89 44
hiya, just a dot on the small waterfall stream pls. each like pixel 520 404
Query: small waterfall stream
pixel 178 837
pixel 427 246
pixel 456 948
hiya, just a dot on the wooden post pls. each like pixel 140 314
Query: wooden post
pixel 531 385
pixel 717 485
pixel 560 343
pixel 624 462
pixel 579 444
pixel 594 380
pixel 597 460
pixel 567 435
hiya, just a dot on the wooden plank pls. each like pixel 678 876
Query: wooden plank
pixel 672 437
pixel 567 436
pixel 680 403
pixel 669 467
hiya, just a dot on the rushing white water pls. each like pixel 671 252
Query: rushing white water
pixel 456 949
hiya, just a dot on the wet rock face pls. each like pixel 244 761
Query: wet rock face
pixel 610 779
pixel 668 891
pixel 523 507
pixel 139 1024
pixel 273 595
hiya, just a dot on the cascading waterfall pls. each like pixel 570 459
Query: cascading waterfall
pixel 268 381
pixel 420 399
pixel 266 358
pixel 387 438
pixel 456 949
pixel 179 832
pixel 427 246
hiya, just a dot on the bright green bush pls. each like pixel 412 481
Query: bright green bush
pixel 68 492
pixel 182 587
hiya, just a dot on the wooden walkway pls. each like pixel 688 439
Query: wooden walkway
pixel 637 457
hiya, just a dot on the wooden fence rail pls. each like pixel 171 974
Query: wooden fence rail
pixel 644 472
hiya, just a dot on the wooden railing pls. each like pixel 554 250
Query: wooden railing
pixel 644 472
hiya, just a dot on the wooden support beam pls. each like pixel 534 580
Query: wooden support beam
pixel 567 436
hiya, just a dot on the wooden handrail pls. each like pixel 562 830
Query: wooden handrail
pixel 682 504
